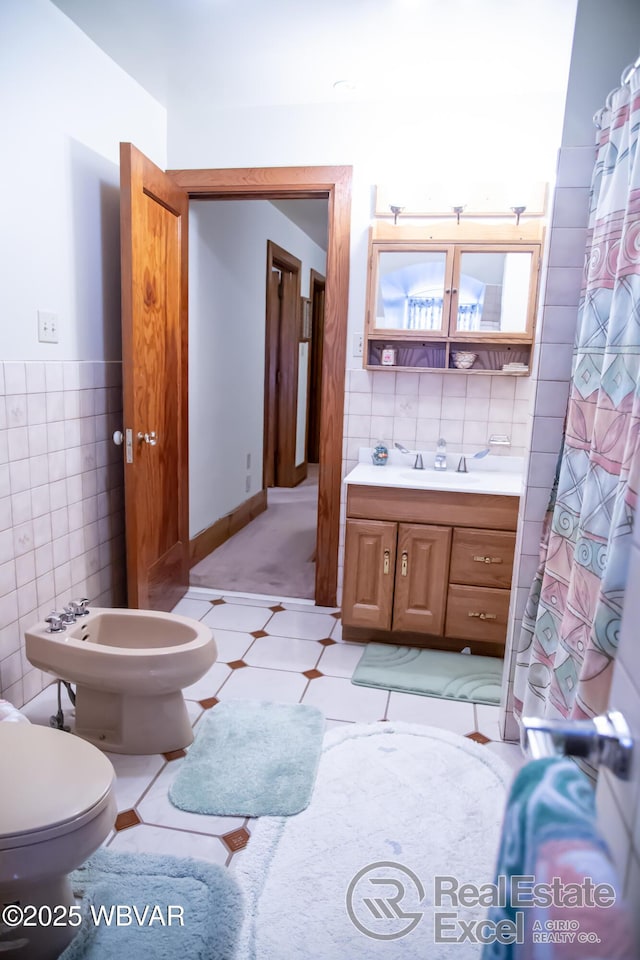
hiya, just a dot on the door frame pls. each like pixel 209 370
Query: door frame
pixel 334 184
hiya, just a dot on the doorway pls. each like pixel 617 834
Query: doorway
pixel 231 211
pixel 272 183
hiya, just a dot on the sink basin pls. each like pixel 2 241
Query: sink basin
pixel 436 478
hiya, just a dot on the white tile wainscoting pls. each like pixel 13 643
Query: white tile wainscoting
pixel 61 501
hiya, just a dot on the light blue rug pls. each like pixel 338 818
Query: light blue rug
pixel 208 895
pixel 430 673
pixel 251 758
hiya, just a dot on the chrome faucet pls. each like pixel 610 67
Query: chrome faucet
pixel 418 463
pixel 462 463
pixel 56 622
pixel 440 462
pixel 78 607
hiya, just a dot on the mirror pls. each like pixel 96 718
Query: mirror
pixel 490 290
pixel 411 290
pixel 493 292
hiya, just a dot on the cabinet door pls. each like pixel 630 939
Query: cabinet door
pixel 410 289
pixel 369 563
pixel 422 572
pixel 495 289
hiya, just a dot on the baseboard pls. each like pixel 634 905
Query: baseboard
pixel 220 531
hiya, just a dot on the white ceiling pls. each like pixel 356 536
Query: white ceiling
pixel 271 53
pixel 275 52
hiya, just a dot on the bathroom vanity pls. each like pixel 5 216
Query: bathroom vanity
pixel 429 556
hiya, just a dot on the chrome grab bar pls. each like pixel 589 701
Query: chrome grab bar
pixel 605 740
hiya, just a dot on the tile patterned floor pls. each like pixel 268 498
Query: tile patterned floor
pixel 283 650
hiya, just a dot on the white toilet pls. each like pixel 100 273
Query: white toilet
pixel 129 667
pixel 57 806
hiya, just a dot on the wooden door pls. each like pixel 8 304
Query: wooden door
pixel 282 336
pixel 369 562
pixel 422 573
pixel 154 236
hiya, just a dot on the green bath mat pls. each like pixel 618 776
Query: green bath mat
pixel 204 896
pixel 431 673
pixel 251 758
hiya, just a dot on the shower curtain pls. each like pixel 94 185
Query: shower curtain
pixel 570 629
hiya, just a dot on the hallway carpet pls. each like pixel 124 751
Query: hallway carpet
pixel 274 554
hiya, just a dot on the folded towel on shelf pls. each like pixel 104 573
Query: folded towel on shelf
pixel 550 837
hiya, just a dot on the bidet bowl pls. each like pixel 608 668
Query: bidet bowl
pixel 126 651
pixel 129 667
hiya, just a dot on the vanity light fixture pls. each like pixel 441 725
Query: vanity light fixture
pixel 458 210
pixel 518 212
pixel 395 210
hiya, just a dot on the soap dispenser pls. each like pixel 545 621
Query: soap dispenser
pixel 380 454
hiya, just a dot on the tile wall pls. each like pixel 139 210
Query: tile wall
pixel 557 317
pixel 618 801
pixel 61 501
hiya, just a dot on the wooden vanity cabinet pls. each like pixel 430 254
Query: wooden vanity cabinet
pixel 428 568
pixel 397 575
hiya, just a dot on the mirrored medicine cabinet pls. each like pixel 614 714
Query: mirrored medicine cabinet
pixel 453 298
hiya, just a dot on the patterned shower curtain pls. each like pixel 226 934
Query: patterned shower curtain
pixel 570 629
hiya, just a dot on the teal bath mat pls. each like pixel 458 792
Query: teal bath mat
pixel 251 758
pixel 204 896
pixel 431 673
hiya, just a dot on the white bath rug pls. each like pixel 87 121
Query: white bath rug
pixel 418 801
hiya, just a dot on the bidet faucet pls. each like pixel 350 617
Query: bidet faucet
pixel 78 607
pixel 55 622
pixel 440 462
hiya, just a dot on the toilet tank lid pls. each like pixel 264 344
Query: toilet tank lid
pixel 49 777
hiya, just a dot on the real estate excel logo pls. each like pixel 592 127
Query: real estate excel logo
pixel 383 900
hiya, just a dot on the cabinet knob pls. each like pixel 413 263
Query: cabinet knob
pixel 488 559
pixel 483 616
pixel 404 565
pixel 386 564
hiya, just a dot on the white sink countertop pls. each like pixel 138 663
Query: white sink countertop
pixel 498 475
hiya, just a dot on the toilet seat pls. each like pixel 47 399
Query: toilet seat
pixel 53 784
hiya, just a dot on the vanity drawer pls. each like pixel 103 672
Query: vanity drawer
pixel 482 557
pixel 477 613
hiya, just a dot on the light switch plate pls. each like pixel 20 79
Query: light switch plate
pixel 47 327
pixel 358 344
